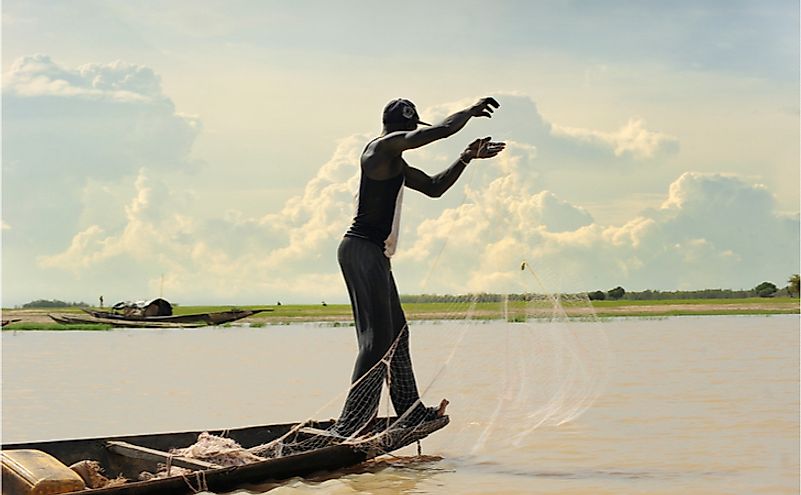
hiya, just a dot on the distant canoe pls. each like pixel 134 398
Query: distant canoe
pixel 185 321
pixel 217 318
pixel 130 455
pixel 7 322
pixel 73 319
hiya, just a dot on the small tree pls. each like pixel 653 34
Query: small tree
pixel 598 295
pixel 793 288
pixel 765 289
pixel 616 293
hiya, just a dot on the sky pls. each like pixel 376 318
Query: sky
pixel 207 151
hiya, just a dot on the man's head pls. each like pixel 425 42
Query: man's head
pixel 401 115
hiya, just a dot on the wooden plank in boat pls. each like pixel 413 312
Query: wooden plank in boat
pixel 135 451
pixel 320 433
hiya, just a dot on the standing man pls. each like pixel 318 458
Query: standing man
pixel 364 254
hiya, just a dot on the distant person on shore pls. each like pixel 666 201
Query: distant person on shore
pixel 364 257
pixel 101 302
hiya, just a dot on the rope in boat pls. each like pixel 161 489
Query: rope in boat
pixel 202 484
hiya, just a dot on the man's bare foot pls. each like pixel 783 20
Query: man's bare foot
pixel 441 410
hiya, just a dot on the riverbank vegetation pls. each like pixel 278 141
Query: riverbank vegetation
pixel 461 307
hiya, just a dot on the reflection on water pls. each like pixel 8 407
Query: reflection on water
pixel 690 405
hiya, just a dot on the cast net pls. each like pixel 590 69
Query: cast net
pixel 511 362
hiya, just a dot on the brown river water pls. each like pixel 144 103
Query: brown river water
pixel 683 405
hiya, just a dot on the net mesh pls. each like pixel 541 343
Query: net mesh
pixel 360 425
pixel 552 365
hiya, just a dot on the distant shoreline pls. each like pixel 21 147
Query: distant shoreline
pixel 37 319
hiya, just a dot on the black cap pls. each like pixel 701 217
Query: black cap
pixel 401 111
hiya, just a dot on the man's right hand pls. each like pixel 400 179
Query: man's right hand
pixel 482 148
pixel 484 107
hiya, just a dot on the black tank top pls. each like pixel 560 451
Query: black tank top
pixel 378 212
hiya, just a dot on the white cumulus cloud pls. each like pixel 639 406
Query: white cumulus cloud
pixel 633 139
pixel 712 230
pixel 68 131
pixel 38 75
pixel 279 255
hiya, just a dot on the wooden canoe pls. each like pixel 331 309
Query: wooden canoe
pixel 216 318
pixel 129 455
pixel 175 321
pixel 73 319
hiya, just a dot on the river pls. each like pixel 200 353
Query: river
pixel 691 405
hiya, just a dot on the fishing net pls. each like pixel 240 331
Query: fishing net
pixel 525 361
pixel 217 450
pixel 552 366
pixel 511 362
pixel 93 475
pixel 359 425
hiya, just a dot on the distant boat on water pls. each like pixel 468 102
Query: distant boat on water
pixel 174 321
pixel 156 313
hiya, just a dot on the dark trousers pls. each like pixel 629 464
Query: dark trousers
pixel 383 337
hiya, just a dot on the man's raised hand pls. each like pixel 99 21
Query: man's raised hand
pixel 482 148
pixel 484 107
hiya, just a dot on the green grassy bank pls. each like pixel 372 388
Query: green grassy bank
pixel 37 319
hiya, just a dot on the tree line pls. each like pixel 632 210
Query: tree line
pixel 764 289
pixel 53 303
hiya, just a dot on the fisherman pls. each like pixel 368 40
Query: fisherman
pixel 365 251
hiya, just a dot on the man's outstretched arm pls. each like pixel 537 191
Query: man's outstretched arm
pixel 400 141
pixel 437 185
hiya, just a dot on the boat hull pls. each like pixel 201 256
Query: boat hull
pixel 330 458
pixel 174 321
pixel 69 319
